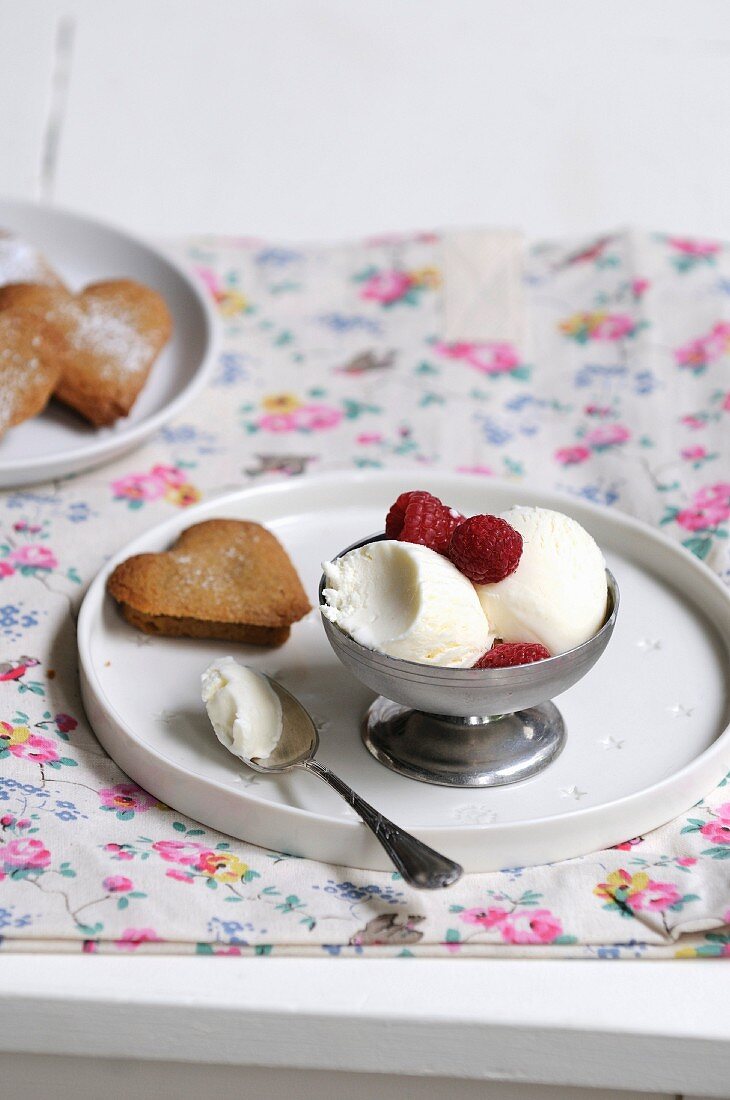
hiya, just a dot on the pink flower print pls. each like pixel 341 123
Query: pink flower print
pixel 23 744
pixel 119 851
pixel 694 248
pixel 35 556
pixel 710 496
pixel 614 326
pixel 598 325
pixel 607 435
pixel 179 876
pixel 686 861
pixel 488 918
pixel 139 487
pixel 25 853
pixel 600 411
pixel 656 896
pixel 572 456
pixel 127 799
pixel 209 277
pixel 503 359
pixel 693 355
pixel 476 471
pixel 693 422
pixel 187 853
pixel 118 884
pixel 487 358
pixel 367 438
pixel 170 475
pixel 691 519
pixel 131 938
pixel 697 354
pixel 6 820
pixel 639 287
pixel 709 508
pixel 718 340
pixel 531 926
pixel 6 569
pixel 316 418
pixel 278 422
pixel 627 845
pixel 65 723
pixel 693 454
pixel 725 406
pixel 717 830
pixel 38 749
pixel 387 287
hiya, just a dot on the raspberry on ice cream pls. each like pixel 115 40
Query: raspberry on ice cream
pixel 485 549
pixel 420 517
pixel 509 654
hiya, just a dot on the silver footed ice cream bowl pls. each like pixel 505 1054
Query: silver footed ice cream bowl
pixel 466 727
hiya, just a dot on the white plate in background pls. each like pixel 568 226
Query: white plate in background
pixel 83 250
pixel 646 728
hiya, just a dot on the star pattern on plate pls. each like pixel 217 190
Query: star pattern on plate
pixel 474 815
pixel 649 645
pixel 678 710
pixel 572 792
pixel 611 742
pixel 167 717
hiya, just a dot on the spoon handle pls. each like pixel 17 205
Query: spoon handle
pixel 419 865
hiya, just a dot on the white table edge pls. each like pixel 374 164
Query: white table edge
pixel 647 1025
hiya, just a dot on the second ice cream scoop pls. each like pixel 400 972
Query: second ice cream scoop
pixel 557 595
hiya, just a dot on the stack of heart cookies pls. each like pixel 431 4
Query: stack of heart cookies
pixel 92 350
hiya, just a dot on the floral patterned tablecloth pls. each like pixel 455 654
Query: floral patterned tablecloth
pixel 333 358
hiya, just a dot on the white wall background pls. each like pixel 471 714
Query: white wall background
pixel 327 118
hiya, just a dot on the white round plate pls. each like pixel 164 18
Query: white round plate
pixel 82 250
pixel 645 726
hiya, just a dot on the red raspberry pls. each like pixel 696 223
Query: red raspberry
pixel 422 518
pixel 486 549
pixel 507 654
pixel 397 514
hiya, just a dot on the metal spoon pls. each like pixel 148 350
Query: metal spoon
pixel 419 865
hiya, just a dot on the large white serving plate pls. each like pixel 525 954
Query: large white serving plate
pixel 83 250
pixel 646 727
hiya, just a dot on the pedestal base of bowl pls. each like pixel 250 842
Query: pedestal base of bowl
pixel 463 752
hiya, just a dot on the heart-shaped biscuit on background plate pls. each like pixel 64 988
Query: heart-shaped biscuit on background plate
pixel 109 336
pixel 29 368
pixel 224 578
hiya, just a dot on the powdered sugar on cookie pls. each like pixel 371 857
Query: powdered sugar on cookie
pixel 109 333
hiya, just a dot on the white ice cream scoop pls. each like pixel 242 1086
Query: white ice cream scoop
pixel 406 601
pixel 557 595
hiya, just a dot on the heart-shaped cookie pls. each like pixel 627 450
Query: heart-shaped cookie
pixel 109 336
pixel 29 367
pixel 224 578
